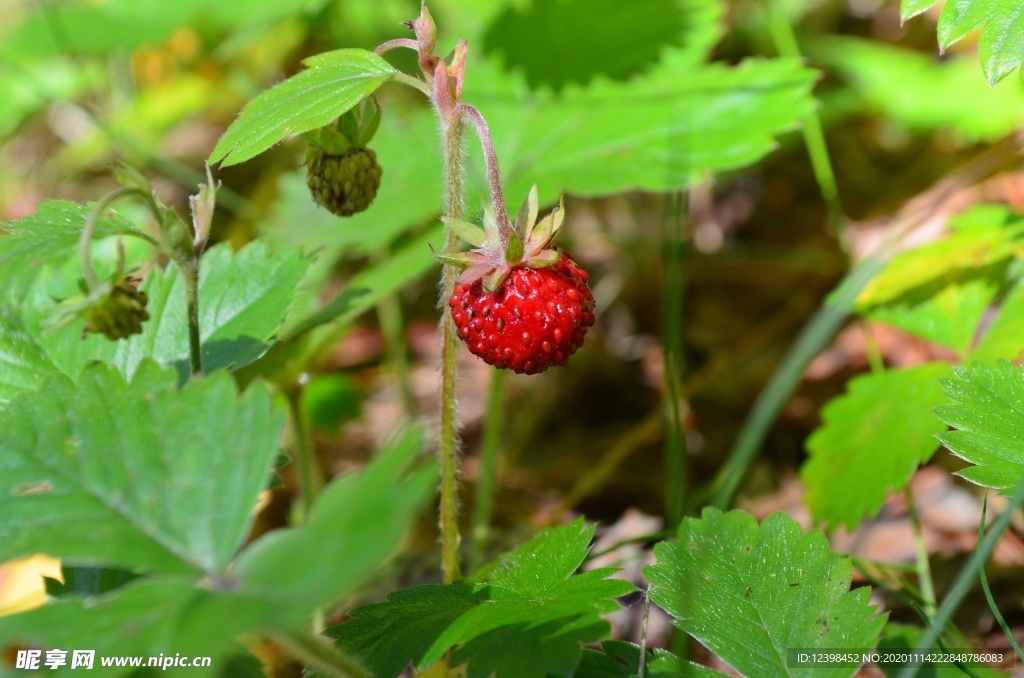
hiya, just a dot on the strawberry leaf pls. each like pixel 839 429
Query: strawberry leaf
pixel 872 439
pixel 986 410
pixel 1004 337
pixel 1001 45
pixel 528 598
pixel 130 473
pixel 332 83
pixel 23 364
pixel 751 594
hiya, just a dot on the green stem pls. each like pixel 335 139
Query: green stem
pixel 190 271
pixel 814 135
pixel 452 132
pixel 314 652
pixel 488 468
pixel 92 281
pixel 988 592
pixel 923 567
pixel 966 576
pixel 673 261
pixel 310 478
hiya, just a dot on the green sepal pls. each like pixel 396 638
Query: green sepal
pixel 471 233
pixel 545 258
pixel 334 141
pixel 514 252
pixel 348 123
pixel 495 278
pixel 368 128
pixel 545 231
pixel 458 259
pixel 527 216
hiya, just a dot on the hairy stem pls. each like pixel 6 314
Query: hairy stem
pixel 308 471
pixel 88 272
pixel 493 174
pixel 673 282
pixel 191 275
pixel 452 132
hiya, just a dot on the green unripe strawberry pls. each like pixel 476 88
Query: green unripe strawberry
pixel 344 184
pixel 343 175
pixel 120 313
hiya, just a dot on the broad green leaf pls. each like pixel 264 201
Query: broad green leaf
pixel 619 659
pixel 949 317
pixel 529 598
pixel 332 83
pixel 145 619
pixel 1001 45
pixel 904 86
pixel 23 364
pixel 751 594
pixel 1004 338
pixel 136 474
pixel 48 237
pixel 354 525
pixel 640 32
pixel 986 410
pixel 243 300
pixel 656 133
pixel 872 439
pixel 981 238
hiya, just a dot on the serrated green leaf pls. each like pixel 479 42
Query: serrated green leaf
pixel 986 411
pixel 981 240
pixel 641 33
pixel 131 474
pixel 1001 45
pixel 1004 338
pixel 904 85
pixel 354 525
pixel 751 593
pixel 529 598
pixel 948 317
pixel 872 439
pixel 48 238
pixel 243 300
pixel 656 133
pixel 332 83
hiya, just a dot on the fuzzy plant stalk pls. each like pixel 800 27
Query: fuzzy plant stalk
pixel 517 302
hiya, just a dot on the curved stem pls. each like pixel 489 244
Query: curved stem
pixel 88 272
pixel 493 174
pixel 452 132
pixel 923 566
pixel 395 44
pixel 415 83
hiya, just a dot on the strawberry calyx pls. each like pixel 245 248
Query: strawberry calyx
pixel 495 254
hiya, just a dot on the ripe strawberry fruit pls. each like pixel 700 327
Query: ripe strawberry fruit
pixel 519 304
pixel 536 318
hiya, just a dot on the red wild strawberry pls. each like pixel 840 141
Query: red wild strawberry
pixel 519 304
pixel 535 319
